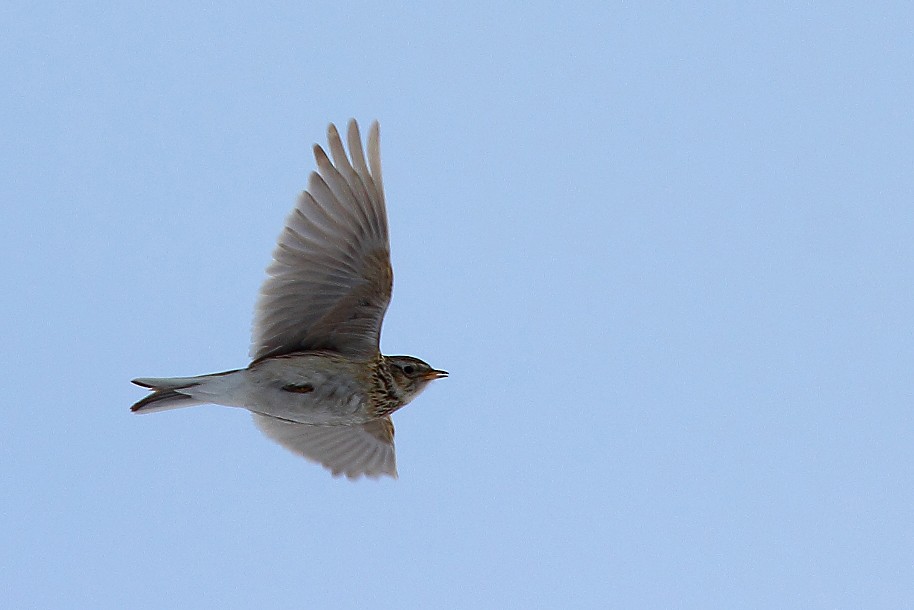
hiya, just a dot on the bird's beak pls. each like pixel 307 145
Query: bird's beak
pixel 434 375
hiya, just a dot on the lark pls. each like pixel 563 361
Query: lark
pixel 318 383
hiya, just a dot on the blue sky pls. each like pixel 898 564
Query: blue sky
pixel 664 251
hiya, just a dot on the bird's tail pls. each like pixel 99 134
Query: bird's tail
pixel 166 393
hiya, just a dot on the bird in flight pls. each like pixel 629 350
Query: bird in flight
pixel 318 383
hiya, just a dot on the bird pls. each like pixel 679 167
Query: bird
pixel 317 383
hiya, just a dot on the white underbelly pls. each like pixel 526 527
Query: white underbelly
pixel 315 392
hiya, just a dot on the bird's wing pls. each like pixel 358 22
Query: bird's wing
pixel 330 281
pixel 362 449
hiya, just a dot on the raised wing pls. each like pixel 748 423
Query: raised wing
pixel 353 451
pixel 330 281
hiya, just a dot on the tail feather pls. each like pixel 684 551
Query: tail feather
pixel 164 394
pixel 167 383
pixel 176 392
pixel 163 400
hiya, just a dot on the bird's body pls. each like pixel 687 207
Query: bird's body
pixel 319 388
pixel 318 383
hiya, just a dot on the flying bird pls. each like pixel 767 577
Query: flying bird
pixel 318 383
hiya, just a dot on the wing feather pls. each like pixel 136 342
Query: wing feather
pixel 330 281
pixel 352 451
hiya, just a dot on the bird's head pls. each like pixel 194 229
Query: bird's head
pixel 411 375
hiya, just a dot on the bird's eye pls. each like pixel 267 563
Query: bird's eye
pixel 409 369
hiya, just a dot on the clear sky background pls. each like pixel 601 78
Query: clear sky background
pixel 665 253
